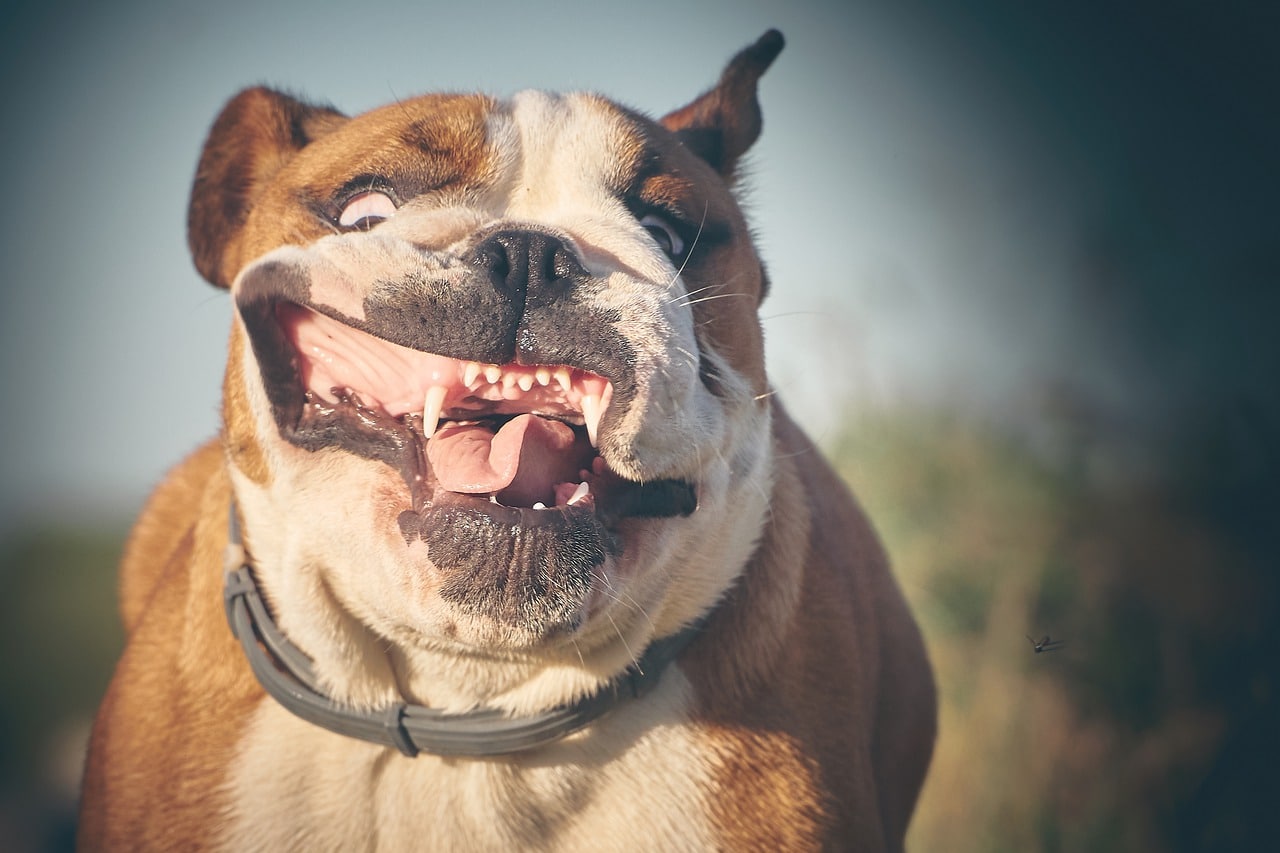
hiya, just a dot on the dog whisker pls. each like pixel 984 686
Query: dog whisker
pixel 623 599
pixel 693 357
pixel 680 297
pixel 630 652
pixel 693 298
pixel 692 245
pixel 578 650
pixel 714 296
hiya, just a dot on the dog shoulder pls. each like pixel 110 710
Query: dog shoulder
pixel 163 533
pixel 180 672
pixel 865 648
pixel 816 691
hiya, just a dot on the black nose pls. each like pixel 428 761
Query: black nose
pixel 528 268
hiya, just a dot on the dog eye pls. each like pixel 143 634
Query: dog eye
pixel 663 234
pixel 366 210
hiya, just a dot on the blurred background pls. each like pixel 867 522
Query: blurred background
pixel 1026 261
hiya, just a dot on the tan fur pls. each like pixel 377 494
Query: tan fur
pixel 238 432
pixel 818 695
pixel 152 782
pixel 800 719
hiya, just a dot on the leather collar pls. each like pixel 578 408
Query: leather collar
pixel 285 672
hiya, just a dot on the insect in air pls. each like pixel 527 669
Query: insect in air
pixel 1046 644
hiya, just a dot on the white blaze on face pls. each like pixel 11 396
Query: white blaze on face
pixel 329 526
pixel 561 156
pixel 564 176
pixel 565 147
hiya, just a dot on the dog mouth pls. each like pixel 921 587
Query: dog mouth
pixel 516 441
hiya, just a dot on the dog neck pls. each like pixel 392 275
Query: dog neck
pixel 285 673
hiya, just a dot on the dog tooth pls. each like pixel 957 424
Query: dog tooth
pixel 431 409
pixel 543 375
pixel 579 493
pixel 525 381
pixel 539 505
pixel 492 374
pixel 471 373
pixel 563 378
pixel 591 414
pixel 508 381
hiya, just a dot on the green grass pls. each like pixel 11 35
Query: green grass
pixel 61 636
pixel 1122 740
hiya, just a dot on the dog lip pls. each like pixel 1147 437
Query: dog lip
pixel 611 499
pixel 524 517
pixel 531 457
pixel 525 567
pixel 333 356
pixel 344 419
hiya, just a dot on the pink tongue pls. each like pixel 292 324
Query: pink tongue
pixel 521 464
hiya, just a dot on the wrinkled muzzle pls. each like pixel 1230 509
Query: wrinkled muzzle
pixel 486 380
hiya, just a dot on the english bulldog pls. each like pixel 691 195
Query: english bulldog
pixel 506 542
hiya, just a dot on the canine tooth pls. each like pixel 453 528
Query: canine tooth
pixel 591 414
pixel 543 375
pixel 579 493
pixel 563 379
pixel 539 505
pixel 470 373
pixel 492 374
pixel 431 409
pixel 525 381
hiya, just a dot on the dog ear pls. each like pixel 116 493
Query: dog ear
pixel 256 133
pixel 721 124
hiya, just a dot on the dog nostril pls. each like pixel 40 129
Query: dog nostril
pixel 492 255
pixel 528 265
pixel 500 266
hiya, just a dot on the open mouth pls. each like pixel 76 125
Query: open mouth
pixel 504 437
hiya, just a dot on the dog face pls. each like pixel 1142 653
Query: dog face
pixel 495 391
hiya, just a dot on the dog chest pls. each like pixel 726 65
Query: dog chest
pixel 641 777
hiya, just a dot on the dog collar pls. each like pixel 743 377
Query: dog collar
pixel 285 672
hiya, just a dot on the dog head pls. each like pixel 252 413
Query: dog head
pixel 496 390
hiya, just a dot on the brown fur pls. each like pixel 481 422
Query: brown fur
pixel 237 428
pixel 825 697
pixel 169 721
pixel 812 706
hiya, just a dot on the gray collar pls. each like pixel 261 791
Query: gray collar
pixel 285 672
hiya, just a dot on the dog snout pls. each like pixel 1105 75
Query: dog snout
pixel 531 269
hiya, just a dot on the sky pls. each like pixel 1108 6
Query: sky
pixel 1007 210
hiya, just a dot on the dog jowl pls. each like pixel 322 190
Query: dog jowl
pixel 496 432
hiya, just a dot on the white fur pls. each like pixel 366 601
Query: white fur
pixel 637 780
pixel 349 591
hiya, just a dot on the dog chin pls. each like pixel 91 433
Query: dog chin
pixel 485 580
pixel 516 555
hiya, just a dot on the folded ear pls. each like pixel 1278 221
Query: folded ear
pixel 257 132
pixel 723 123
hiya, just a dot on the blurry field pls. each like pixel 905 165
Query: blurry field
pixel 60 636
pixel 1152 729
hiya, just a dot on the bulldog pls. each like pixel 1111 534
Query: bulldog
pixel 506 542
